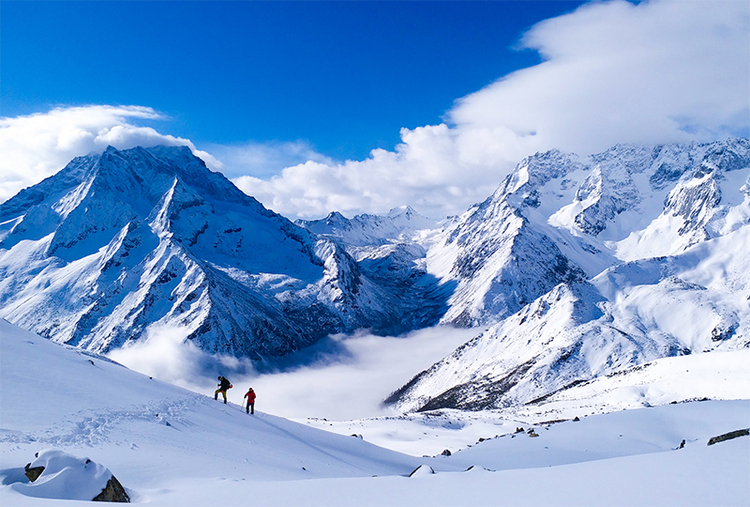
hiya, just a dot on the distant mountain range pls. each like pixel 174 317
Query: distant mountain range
pixel 398 225
pixel 575 268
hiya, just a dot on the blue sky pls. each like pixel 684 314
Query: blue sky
pixel 359 107
pixel 344 75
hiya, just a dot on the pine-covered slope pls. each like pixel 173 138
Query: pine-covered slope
pixel 122 244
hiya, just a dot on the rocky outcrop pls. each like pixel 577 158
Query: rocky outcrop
pixel 113 492
pixel 729 436
pixel 32 473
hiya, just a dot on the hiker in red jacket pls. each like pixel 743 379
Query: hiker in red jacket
pixel 250 395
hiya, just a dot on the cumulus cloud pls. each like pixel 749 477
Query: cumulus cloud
pixel 36 146
pixel 613 72
pixel 431 170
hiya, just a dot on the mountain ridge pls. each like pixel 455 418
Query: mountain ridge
pixel 105 260
pixel 690 298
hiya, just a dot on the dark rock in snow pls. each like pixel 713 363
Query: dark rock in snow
pixel 32 473
pixel 113 492
pixel 422 470
pixel 729 436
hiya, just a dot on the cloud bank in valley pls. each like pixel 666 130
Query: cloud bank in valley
pixel 349 383
pixel 612 72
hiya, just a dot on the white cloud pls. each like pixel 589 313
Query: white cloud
pixel 36 146
pixel 264 159
pixel 350 383
pixel 614 72
pixel 166 354
pixel 434 170
pixel 353 383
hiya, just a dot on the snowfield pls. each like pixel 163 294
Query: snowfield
pixel 168 446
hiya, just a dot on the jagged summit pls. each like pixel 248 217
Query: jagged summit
pixel 643 241
pixel 97 195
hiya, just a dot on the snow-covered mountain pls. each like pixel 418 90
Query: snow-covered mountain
pixel 584 268
pixel 389 250
pixel 122 245
pixel 368 230
pixel 559 218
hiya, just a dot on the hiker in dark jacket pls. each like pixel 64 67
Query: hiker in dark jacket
pixel 224 384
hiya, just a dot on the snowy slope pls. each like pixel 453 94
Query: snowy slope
pixel 168 446
pixel 692 303
pixel 154 431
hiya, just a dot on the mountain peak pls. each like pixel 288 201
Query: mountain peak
pixel 119 244
pixel 405 210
